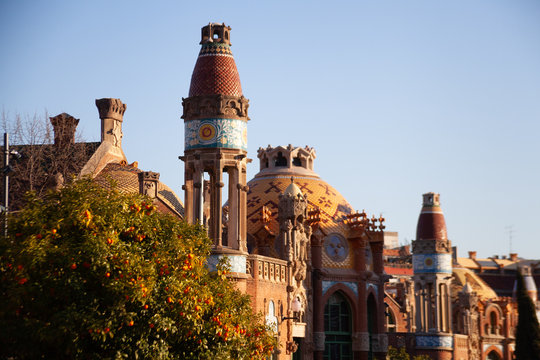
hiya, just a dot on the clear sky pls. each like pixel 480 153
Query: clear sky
pixel 398 97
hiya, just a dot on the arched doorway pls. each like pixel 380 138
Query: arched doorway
pixel 493 355
pixel 338 328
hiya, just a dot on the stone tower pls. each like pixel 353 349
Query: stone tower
pixel 432 265
pixel 215 122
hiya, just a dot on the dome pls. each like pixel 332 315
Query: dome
pixel 125 178
pixel 431 223
pixel 215 71
pixel 278 165
pixel 293 190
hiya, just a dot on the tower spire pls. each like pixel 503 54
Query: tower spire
pixel 215 123
pixel 432 265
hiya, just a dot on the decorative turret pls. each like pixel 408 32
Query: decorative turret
pixel 432 265
pixel 215 123
pixel 288 159
pixel 431 224
pixel 216 92
pixel 294 235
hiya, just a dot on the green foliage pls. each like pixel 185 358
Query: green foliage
pixel 527 331
pixel 87 273
pixel 401 354
pixel 397 354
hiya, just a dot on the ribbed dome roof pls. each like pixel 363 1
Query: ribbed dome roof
pixel 215 71
pixel 431 223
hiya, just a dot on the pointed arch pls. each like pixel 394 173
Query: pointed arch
pixel 493 353
pixel 338 327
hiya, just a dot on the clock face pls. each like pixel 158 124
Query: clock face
pixel 336 247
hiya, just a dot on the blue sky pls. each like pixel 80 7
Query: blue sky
pixel 397 97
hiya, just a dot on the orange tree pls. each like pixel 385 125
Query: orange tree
pixel 91 273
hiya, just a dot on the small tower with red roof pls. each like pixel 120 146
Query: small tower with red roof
pixel 432 265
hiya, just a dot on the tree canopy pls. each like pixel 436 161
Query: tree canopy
pixel 90 273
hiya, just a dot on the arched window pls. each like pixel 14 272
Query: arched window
pixel 280 160
pixel 338 328
pixel 297 161
pixel 493 323
pixel 271 318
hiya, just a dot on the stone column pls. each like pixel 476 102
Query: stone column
pixel 318 305
pixel 242 206
pixel 216 184
pixel 361 335
pixel 234 197
pixel 197 204
pixel 188 196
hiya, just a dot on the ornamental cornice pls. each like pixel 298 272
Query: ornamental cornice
pixel 434 246
pixel 200 107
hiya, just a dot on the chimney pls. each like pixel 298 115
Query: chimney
pixel 513 256
pixel 148 183
pixel 472 255
pixel 111 113
pixel 64 126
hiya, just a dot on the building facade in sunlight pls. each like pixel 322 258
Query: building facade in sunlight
pixel 329 281
pixel 312 266
pixel 448 307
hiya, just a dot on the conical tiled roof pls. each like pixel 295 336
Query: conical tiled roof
pixel 431 223
pixel 215 71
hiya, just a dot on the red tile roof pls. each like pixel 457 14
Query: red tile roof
pixel 215 72
pixel 398 271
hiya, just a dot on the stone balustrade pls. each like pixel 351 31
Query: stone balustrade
pixel 265 268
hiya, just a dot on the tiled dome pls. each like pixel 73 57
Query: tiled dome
pixel 125 178
pixel 278 165
pixel 431 223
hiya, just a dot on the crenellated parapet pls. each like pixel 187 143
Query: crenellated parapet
pixel 216 33
pixel 290 157
pixel 111 109
pixel 360 222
